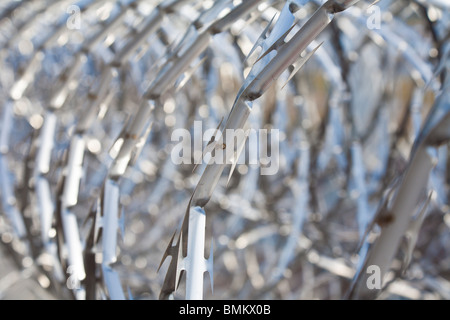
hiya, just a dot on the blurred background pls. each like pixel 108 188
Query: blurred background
pixel 347 121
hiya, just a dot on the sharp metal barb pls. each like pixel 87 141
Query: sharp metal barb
pixel 260 40
pixel 277 44
pixel 300 63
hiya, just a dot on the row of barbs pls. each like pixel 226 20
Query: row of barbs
pixel 118 168
pixel 77 144
pixel 267 68
pixel 176 248
pixel 45 141
pixel 75 157
pixel 107 214
pixel 70 186
pixel 177 63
